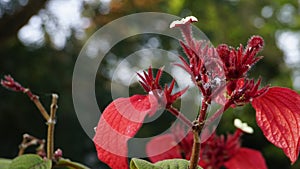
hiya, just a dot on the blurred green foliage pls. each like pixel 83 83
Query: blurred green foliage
pixel 45 68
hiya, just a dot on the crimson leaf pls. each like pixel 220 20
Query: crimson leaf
pixel 246 158
pixel 278 116
pixel 119 122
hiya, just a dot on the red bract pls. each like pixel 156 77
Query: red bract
pixel 243 90
pixel 203 63
pixel 148 81
pixel 278 116
pixel 236 63
pixel 216 152
pixel 119 122
pixel 151 85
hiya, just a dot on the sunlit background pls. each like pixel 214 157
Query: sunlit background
pixel 40 41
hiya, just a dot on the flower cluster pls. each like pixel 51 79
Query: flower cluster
pixel 203 63
pixel 241 91
pixel 211 68
pixel 235 64
pixel 221 75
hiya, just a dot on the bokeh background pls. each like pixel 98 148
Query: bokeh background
pixel 40 41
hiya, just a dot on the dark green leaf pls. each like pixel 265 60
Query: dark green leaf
pixel 30 161
pixel 165 164
pixel 67 164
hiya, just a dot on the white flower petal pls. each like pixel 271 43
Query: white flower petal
pixel 183 21
pixel 243 126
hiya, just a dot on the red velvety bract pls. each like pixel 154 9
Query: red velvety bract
pixel 162 147
pixel 246 158
pixel 119 122
pixel 278 116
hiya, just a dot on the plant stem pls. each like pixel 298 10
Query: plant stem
pixel 51 123
pixel 218 113
pixel 29 140
pixel 197 127
pixel 23 145
pixel 179 115
pixel 37 103
pixel 196 145
pixel 203 110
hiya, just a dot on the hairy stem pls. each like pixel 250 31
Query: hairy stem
pixel 51 123
pixel 197 127
pixel 204 106
pixel 196 145
pixel 179 115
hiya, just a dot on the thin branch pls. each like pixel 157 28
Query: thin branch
pixel 29 140
pixel 51 123
pixel 9 83
pixel 37 103
pixel 218 113
pixel 179 115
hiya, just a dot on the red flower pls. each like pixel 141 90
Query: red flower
pixel 215 152
pixel 242 91
pixel 151 85
pixel 185 26
pixel 203 63
pixel 236 63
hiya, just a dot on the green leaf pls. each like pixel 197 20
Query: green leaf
pixel 165 164
pixel 136 163
pixel 30 161
pixel 174 164
pixel 67 164
pixel 4 163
